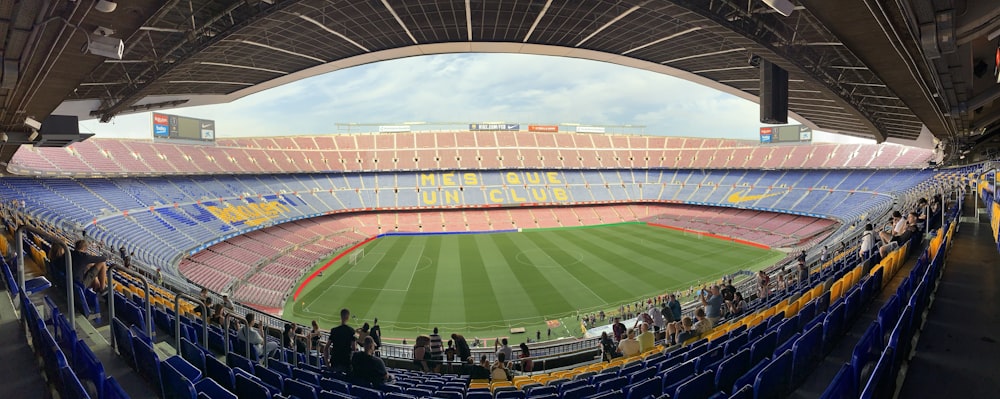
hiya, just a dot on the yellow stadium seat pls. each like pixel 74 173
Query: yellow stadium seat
pixel 836 290
pixel 475 385
pixel 792 309
pixel 767 313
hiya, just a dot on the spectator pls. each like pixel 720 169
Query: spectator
pixel 342 344
pixel 315 335
pixel 250 334
pixel 667 314
pixel 218 315
pixel 645 338
pixel 504 348
pixel 422 352
pixel 675 307
pixel 525 356
pixel 737 306
pixel 437 351
pixel 764 284
pixel 207 307
pixel 712 300
pixel 226 302
pixel 801 257
pixel 462 347
pixel 824 255
pixel 867 241
pixel 159 277
pixel 607 345
pixel 704 324
pixel 618 328
pixel 480 371
pixel 803 274
pixel 376 334
pixel 449 355
pixel 363 333
pixel 657 317
pixel 501 369
pixel 89 270
pixel 368 368
pixel 629 347
pixel 203 296
pixel 898 241
pixel 681 331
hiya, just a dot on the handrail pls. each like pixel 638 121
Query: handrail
pixel 177 318
pixel 67 257
pixel 145 289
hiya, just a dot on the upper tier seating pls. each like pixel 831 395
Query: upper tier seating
pixel 163 220
pixel 446 151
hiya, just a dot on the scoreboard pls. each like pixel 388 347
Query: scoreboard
pixel 167 126
pixel 785 134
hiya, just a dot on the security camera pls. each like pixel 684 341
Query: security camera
pixel 32 123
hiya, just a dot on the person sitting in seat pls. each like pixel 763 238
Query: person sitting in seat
pixel 629 346
pixel 249 334
pixel 89 270
pixel 366 367
pixel 501 370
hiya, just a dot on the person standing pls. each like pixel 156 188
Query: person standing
pixel 342 344
pixel 437 351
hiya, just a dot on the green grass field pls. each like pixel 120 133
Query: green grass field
pixel 481 285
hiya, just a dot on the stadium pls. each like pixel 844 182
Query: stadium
pixel 197 263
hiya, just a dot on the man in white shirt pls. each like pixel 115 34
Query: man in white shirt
pixel 867 240
pixel 629 346
pixel 248 333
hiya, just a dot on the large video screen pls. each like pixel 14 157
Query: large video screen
pixel 167 126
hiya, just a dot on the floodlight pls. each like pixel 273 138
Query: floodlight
pixel 105 6
pixel 783 7
pixel 106 46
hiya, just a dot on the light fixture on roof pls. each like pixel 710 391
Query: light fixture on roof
pixel 101 43
pixel 105 6
pixel 783 7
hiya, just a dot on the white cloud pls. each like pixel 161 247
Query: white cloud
pixel 473 88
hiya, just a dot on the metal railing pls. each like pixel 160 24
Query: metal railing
pixel 145 288
pixel 177 318
pixel 67 257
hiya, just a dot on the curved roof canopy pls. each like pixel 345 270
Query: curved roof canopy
pixel 854 68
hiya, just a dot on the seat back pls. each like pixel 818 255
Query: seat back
pixel 575 393
pixel 175 385
pixel 234 360
pixel 806 353
pixel 774 380
pixel 220 373
pixel 616 383
pixel 701 386
pixel 299 389
pixel 763 347
pixel 247 388
pixel 89 369
pixel 193 354
pixel 146 362
pixel 881 382
pixel 842 386
pixel 748 378
pixel 648 388
pixel 732 368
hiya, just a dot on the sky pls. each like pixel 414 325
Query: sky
pixel 473 88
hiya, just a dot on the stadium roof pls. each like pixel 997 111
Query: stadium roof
pixel 855 66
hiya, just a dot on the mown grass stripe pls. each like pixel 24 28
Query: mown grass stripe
pixel 545 296
pixel 416 307
pixel 514 303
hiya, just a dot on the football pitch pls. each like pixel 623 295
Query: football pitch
pixel 482 285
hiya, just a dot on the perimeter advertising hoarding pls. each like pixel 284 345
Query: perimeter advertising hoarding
pixel 786 134
pixel 494 126
pixel 543 128
pixel 181 127
pixel 394 129
pixel 589 129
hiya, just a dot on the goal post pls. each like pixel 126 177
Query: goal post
pixel 355 256
pixel 695 234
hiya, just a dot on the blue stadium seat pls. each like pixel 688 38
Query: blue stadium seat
pixel 247 388
pixel 806 354
pixel 146 361
pixel 842 386
pixel 572 384
pixel 866 353
pixel 575 393
pixel 833 326
pixel 87 302
pixel 880 384
pixel 675 375
pixel 209 388
pixel 234 360
pixel 644 389
pixel 695 351
pixel 329 384
pixel 787 329
pixel 175 384
pixel 89 369
pixel 763 347
pixel 274 381
pixel 505 394
pixel 400 395
pixel 709 360
pixel 542 390
pixel 69 387
pixel 305 376
pixel 641 375
pixel 193 354
pixel 730 369
pixel 701 386
pixel 113 390
pixel 419 392
pixel 736 343
pixel 299 389
pixel 220 373
pixel 748 378
pixel 616 383
pixel 774 380
pixel 743 393
pixel 182 366
pixel 597 379
pixel 616 394
pixel 280 367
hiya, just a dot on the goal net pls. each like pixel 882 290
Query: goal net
pixel 694 234
pixel 355 256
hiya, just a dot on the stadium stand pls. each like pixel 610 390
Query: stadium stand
pixel 446 151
